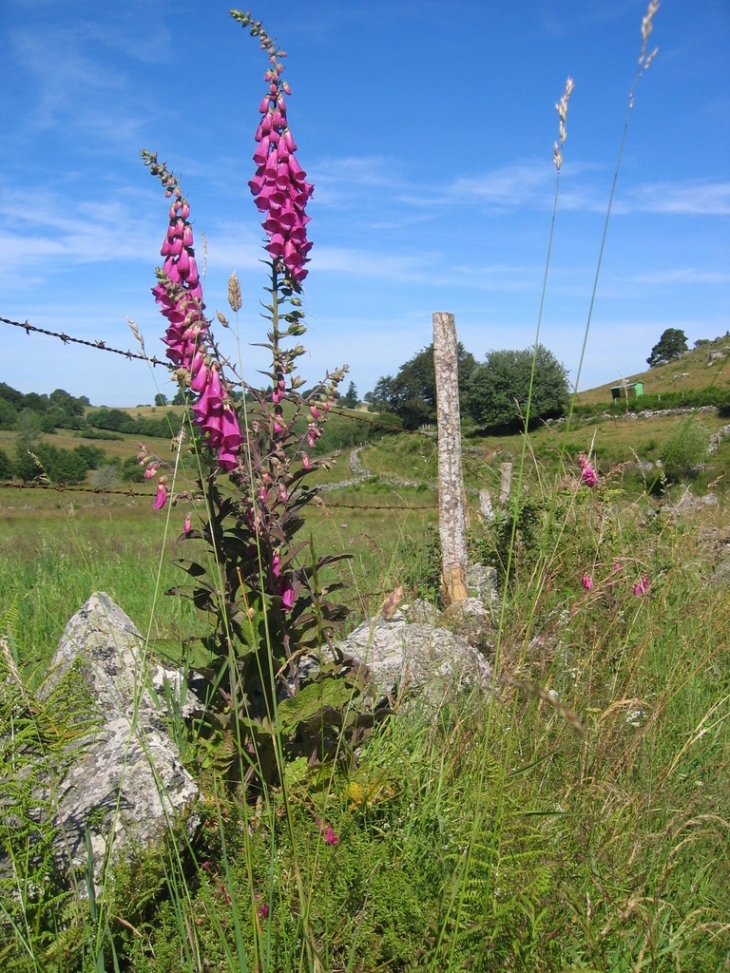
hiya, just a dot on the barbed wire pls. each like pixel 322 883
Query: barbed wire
pixel 134 494
pixel 98 345
pixel 103 346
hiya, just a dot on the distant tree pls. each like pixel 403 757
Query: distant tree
pixel 499 389
pixel 671 345
pixel 8 415
pixel 411 394
pixel 38 403
pixel 11 395
pixel 64 400
pixel 349 400
pixel 29 427
pixel 701 342
pixel 160 399
pixel 105 477
pixel 26 468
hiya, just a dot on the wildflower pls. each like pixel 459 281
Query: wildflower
pixel 587 582
pixel 263 911
pixel 287 599
pixel 327 832
pixel 279 184
pixel 179 293
pixel 617 566
pixel 588 474
pixel 641 587
pixel 162 494
pixel 187 524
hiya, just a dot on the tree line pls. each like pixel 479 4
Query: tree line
pixel 494 393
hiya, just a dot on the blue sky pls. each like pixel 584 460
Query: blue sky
pixel 427 129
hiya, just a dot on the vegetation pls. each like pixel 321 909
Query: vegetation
pixel 671 345
pixel 477 838
pixel 573 817
pixel 685 449
pixel 515 389
pixel 411 395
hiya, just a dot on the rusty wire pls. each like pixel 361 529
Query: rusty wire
pixel 98 345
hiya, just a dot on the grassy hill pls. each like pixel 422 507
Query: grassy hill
pixel 695 370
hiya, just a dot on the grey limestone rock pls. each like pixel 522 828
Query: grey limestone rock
pixel 408 658
pixel 128 785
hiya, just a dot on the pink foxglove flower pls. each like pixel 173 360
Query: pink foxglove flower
pixel 641 587
pixel 327 832
pixel 279 186
pixel 180 295
pixel 587 582
pixel 588 474
pixel 287 595
pixel 161 498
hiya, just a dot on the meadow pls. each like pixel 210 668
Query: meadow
pixel 573 819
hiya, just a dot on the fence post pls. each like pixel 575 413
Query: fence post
pixel 485 505
pixel 452 515
pixel 506 484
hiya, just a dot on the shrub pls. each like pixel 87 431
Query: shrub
pixel 499 389
pixel 6 466
pixel 685 449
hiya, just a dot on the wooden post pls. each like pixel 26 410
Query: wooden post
pixel 452 516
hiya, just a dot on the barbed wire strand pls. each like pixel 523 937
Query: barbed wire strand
pixel 61 488
pixel 98 345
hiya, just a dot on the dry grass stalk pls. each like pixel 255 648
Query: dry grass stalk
pixel 234 293
pixel 562 110
pixel 137 334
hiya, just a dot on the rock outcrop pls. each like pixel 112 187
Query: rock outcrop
pixel 127 786
pixel 415 658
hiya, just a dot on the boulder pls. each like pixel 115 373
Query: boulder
pixel 415 658
pixel 127 787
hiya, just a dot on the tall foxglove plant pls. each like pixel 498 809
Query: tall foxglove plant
pixel 266 600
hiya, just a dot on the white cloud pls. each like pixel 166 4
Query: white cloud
pixel 682 275
pixel 692 198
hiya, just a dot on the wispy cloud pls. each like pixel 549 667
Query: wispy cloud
pixel 682 275
pixel 691 198
pixel 49 232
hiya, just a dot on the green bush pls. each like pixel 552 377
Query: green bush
pixel 6 466
pixel 685 449
pixel 500 388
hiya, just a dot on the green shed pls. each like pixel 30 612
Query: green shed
pixel 627 390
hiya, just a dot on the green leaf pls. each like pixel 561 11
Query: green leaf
pixel 192 568
pixel 311 701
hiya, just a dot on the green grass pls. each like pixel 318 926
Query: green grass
pixel 490 835
pixel 691 372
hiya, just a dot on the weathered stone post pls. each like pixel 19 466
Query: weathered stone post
pixel 452 515
pixel 485 506
pixel 506 484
